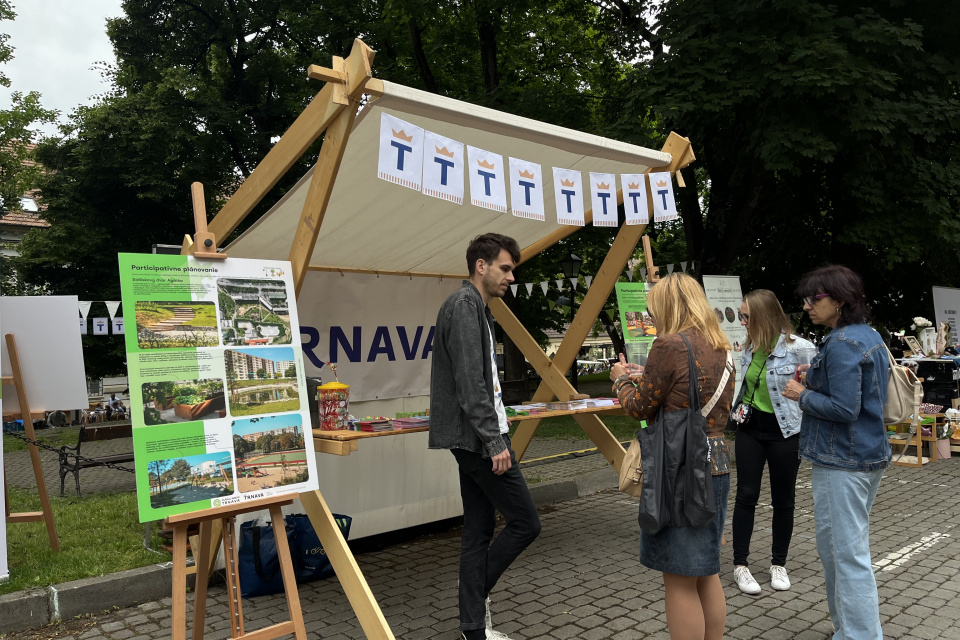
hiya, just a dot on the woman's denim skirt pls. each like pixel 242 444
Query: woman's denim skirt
pixel 689 551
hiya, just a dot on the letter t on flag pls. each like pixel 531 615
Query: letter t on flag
pixel 603 198
pixel 488 187
pixel 635 198
pixel 526 189
pixel 401 152
pixel 442 167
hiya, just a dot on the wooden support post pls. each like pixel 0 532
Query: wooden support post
pixel 355 586
pixel 653 272
pixel 46 510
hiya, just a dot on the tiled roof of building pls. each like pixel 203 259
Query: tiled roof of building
pixel 25 219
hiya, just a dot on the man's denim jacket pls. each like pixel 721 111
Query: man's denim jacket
pixel 843 404
pixel 780 367
pixel 462 413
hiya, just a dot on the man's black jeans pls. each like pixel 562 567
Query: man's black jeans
pixel 482 563
pixel 781 456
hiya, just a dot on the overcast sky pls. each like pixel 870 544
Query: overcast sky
pixel 56 43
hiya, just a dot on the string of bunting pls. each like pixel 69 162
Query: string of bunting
pixel 687 266
pixel 435 165
pixel 101 326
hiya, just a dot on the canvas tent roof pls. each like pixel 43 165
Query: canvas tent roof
pixel 374 225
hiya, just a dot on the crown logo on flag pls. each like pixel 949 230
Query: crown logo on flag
pixel 485 164
pixel 662 183
pixel 567 183
pixel 633 185
pixel 601 185
pixel 527 174
pixel 400 134
pixel 444 152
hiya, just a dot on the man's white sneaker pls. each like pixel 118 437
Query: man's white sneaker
pixel 496 635
pixel 487 618
pixel 778 578
pixel 745 580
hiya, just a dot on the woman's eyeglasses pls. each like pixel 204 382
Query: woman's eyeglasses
pixel 811 299
pixel 743 316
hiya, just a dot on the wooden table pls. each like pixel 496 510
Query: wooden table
pixel 918 439
pixel 344 442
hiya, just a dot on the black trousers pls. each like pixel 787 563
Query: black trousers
pixel 756 446
pixel 482 563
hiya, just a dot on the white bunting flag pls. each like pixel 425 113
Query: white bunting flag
pixel 488 187
pixel 568 191
pixel 442 167
pixel 529 286
pixel 118 326
pixel 661 190
pixel 669 268
pixel 629 274
pixel 513 289
pixel 603 199
pixel 573 283
pixel 635 206
pixel 560 284
pixel 401 152
pixel 112 307
pixel 100 327
pixel 526 189
pixel 83 326
pixel 84 308
pixel 643 274
pixel 543 287
pixel 683 266
pixel 588 280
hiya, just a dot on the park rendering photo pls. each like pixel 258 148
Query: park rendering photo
pixel 253 312
pixel 182 401
pixel 175 481
pixel 270 452
pixel 166 325
pixel 261 380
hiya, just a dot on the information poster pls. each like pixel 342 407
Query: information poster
pixel 638 329
pixel 217 388
pixel 4 570
pixel 946 305
pixel 725 296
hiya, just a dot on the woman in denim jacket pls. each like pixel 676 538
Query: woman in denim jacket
pixel 769 433
pixel 843 435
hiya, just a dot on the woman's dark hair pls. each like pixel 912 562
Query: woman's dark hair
pixel 844 286
pixel 487 248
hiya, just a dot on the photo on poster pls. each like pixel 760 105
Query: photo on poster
pixel 172 401
pixel 261 380
pixel 639 324
pixel 253 312
pixel 182 480
pixel 270 452
pixel 730 314
pixel 167 325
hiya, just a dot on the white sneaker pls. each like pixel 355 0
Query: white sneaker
pixel 778 578
pixel 496 635
pixel 487 618
pixel 745 580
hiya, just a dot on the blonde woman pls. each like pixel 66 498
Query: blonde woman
pixel 688 557
pixel 768 433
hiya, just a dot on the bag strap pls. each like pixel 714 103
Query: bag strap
pixel 727 370
pixel 693 387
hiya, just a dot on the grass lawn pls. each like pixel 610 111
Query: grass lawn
pixel 52 437
pixel 99 534
pixel 240 384
pixel 206 315
pixel 261 409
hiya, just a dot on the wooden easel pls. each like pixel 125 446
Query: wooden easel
pixel 225 518
pixel 46 511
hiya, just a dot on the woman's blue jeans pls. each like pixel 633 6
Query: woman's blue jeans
pixel 841 505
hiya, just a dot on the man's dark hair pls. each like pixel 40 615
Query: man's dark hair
pixel 843 285
pixel 487 248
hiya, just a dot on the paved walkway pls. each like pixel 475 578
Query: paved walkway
pixel 581 578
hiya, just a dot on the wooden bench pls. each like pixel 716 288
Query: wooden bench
pixel 70 462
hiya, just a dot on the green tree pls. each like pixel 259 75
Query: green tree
pixel 180 470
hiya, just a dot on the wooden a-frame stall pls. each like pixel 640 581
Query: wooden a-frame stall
pixel 375 227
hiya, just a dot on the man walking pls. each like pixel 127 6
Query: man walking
pixel 468 418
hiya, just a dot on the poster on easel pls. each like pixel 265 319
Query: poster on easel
pixel 946 308
pixel 638 329
pixel 217 388
pixel 724 296
pixel 4 569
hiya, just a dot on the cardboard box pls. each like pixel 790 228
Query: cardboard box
pixel 956 403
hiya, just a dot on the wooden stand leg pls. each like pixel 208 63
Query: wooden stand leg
pixel 368 612
pixel 233 576
pixel 286 570
pixel 203 578
pixel 523 435
pixel 179 606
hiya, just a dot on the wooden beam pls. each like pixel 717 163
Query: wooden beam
pixel 379 272
pixel 354 585
pixel 318 195
pixel 653 273
pixel 317 72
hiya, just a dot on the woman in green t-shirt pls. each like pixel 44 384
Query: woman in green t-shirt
pixel 768 433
